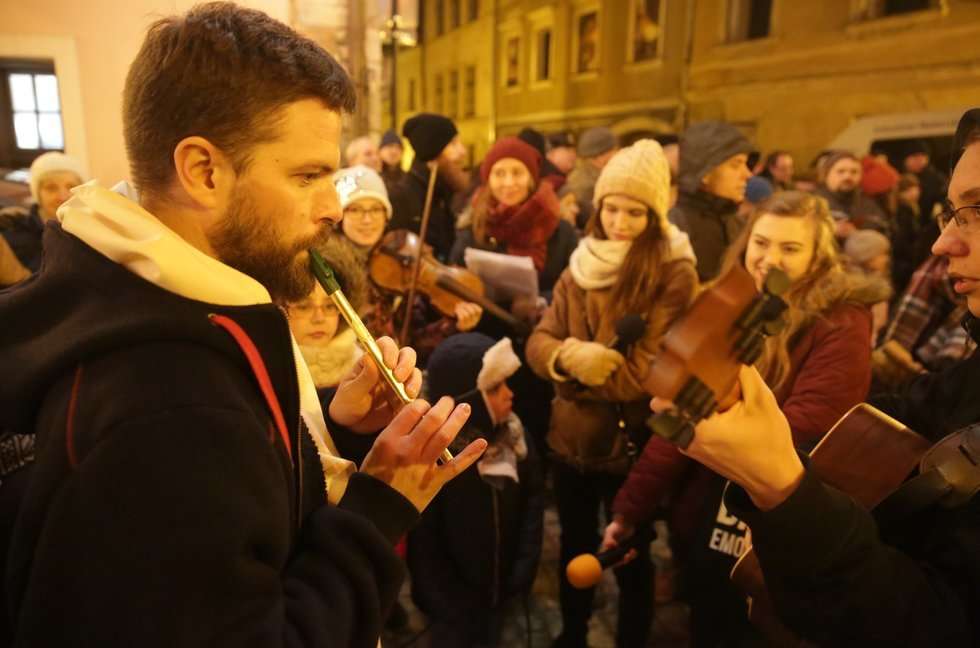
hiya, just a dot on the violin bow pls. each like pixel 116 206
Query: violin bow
pixel 403 337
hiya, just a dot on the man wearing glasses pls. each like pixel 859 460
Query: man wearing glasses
pixel 839 576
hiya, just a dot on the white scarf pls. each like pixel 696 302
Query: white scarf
pixel 124 232
pixel 332 361
pixel 595 262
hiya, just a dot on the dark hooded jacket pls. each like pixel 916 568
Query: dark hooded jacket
pixel 477 544
pixel 408 203
pixel 169 505
pixel 709 220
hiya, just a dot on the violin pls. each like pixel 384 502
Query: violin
pixel 391 264
pixel 697 366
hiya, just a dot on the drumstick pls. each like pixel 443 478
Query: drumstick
pixel 324 274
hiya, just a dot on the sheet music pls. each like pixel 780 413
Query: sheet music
pixel 505 276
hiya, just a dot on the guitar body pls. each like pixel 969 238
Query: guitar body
pixel 866 455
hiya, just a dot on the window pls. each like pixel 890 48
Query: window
pixel 411 94
pixel 453 94
pixel 474 9
pixel 469 91
pixel 542 70
pixel 587 33
pixel 454 14
pixel 30 109
pixel 512 62
pixel 439 16
pixel 883 8
pixel 645 30
pixel 438 94
pixel 748 19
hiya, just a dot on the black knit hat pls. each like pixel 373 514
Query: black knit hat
pixel 429 134
pixel 390 137
pixel 534 138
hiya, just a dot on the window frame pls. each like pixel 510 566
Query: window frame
pixel 12 156
pixel 631 60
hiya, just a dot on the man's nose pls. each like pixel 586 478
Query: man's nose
pixel 950 243
pixel 328 205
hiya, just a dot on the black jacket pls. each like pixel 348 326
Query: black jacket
pixel 476 546
pixel 711 224
pixel 408 201
pixel 166 507
pixel 839 580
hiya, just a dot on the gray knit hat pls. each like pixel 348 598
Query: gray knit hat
pixel 596 141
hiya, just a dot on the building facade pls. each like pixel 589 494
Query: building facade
pixel 793 75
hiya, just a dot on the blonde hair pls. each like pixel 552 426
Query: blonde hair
pixel 825 284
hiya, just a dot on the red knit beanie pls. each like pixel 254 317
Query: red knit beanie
pixel 877 177
pixel 511 147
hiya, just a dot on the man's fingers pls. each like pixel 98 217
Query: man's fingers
pixel 463 460
pixel 413 386
pixel 405 364
pixel 389 351
pixel 439 428
pixel 406 419
pixel 364 379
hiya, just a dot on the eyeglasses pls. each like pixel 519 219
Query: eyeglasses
pixel 360 212
pixel 963 216
pixel 307 308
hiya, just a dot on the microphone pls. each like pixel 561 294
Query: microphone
pixel 629 329
pixel 585 570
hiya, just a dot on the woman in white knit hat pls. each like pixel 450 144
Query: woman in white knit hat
pixel 367 211
pixel 53 175
pixel 632 262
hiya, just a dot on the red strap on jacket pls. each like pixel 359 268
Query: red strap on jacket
pixel 261 374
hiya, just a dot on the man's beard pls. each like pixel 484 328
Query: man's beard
pixel 253 244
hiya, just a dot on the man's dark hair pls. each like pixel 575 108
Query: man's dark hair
pixel 221 72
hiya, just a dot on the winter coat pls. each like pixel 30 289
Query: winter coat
pixel 169 503
pixel 584 431
pixel 22 228
pixel 478 545
pixel 711 223
pixel 838 578
pixel 560 247
pixel 408 202
pixel 862 210
pixel 709 220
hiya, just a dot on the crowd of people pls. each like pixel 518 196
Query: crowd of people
pixel 181 469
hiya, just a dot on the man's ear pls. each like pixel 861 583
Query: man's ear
pixel 205 173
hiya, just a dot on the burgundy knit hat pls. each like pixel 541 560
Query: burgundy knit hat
pixel 511 147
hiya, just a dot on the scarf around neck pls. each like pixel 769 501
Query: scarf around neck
pixel 595 262
pixel 526 228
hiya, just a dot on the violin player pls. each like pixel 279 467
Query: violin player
pixel 836 576
pixel 367 211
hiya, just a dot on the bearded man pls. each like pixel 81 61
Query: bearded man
pixel 185 489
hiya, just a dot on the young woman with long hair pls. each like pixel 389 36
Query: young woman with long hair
pixel 631 262
pixel 818 366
